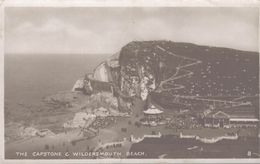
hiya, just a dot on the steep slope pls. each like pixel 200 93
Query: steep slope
pixel 187 69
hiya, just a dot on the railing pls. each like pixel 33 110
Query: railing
pixel 101 145
pixel 210 140
pixel 139 139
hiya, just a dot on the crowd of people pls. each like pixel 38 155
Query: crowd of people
pixel 183 122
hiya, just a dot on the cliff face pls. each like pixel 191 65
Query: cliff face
pixel 138 72
pixel 171 68
pixel 143 68
pixel 164 69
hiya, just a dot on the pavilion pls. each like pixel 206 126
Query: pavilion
pixel 153 115
pixel 241 116
pixel 153 111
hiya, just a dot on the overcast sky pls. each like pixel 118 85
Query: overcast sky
pixel 106 30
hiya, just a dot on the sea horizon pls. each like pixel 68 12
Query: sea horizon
pixel 28 78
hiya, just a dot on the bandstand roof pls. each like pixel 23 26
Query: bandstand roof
pixel 153 110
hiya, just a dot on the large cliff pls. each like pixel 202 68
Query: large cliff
pixel 170 68
pixel 165 69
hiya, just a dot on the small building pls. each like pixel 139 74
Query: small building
pixel 242 116
pixel 152 116
pixel 217 119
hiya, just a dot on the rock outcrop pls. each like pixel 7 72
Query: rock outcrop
pixel 165 69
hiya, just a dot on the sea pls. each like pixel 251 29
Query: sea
pixel 29 78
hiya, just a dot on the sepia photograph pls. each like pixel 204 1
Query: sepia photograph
pixel 130 83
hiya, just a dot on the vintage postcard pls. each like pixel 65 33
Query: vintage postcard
pixel 130 83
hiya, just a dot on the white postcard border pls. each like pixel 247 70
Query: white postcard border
pixel 110 3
